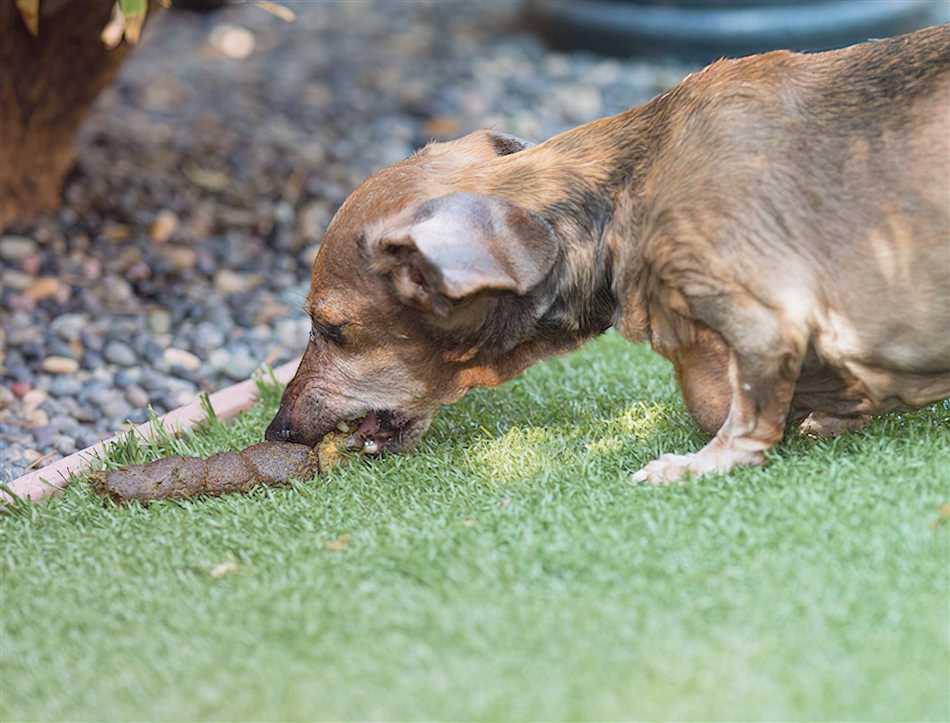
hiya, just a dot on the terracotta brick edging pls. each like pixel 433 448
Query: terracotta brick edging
pixel 54 478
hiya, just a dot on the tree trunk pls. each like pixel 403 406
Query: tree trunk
pixel 47 84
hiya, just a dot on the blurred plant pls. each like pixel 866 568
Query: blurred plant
pixel 58 55
pixel 128 16
pixel 30 12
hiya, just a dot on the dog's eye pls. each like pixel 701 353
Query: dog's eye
pixel 329 332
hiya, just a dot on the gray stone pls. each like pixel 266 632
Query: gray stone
pixel 23 335
pixel 69 327
pixel 58 347
pixel 293 333
pixel 85 413
pixel 136 396
pixel 120 354
pixel 91 360
pixel 159 321
pixel 105 397
pixel 240 366
pixel 87 438
pixel 43 436
pixel 16 248
pixel 218 359
pixel 65 425
pixel 125 377
pixel 64 444
pixel 65 386
pixel 92 340
pixel 116 409
pixel 207 336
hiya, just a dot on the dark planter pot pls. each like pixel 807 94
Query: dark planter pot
pixel 703 30
pixel 200 6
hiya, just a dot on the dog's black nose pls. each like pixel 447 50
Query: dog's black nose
pixel 279 429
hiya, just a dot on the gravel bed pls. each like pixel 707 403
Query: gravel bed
pixel 180 259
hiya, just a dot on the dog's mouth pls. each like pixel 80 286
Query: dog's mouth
pixel 380 431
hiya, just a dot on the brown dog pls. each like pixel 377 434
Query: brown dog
pixel 777 226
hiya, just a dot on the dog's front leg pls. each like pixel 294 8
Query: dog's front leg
pixel 763 370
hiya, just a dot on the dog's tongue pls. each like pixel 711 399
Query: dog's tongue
pixel 369 426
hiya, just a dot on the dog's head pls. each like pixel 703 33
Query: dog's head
pixel 409 285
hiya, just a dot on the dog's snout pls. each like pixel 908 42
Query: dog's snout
pixel 279 430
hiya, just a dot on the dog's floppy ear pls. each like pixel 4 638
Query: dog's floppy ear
pixel 449 248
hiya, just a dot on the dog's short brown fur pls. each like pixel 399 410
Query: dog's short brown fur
pixel 777 226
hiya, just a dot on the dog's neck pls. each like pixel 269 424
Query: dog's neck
pixel 588 184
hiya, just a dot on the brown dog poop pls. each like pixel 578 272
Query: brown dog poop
pixel 177 477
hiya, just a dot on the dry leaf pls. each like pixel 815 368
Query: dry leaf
pixel 943 514
pixel 284 13
pixel 224 568
pixel 30 12
pixel 339 544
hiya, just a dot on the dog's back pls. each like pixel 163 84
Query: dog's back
pixel 882 144
pixel 823 182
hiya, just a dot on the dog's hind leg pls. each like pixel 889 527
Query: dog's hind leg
pixel 821 424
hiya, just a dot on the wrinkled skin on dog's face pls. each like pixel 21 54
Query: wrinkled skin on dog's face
pixel 387 347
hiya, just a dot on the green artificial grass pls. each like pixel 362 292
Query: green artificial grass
pixel 506 569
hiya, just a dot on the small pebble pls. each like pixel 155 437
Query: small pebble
pixel 125 377
pixel 33 399
pixel 16 248
pixel 60 365
pixel 65 386
pixel 136 396
pixel 16 279
pixel 229 282
pixel 181 358
pixel 159 321
pixel 240 366
pixel 37 418
pixel 43 435
pixel 232 40
pixel 44 288
pixel 91 360
pixel 120 354
pixel 64 445
pixel 164 226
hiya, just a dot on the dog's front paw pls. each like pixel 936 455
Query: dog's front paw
pixel 711 459
pixel 665 469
